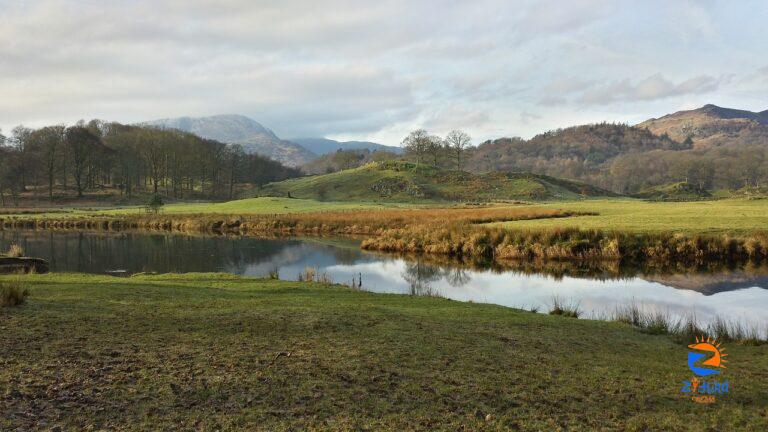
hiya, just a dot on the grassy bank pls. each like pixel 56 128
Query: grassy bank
pixel 728 230
pixel 733 217
pixel 221 352
pixel 361 221
pixel 250 206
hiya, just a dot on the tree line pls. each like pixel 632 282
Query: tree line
pixel 73 160
pixel 618 157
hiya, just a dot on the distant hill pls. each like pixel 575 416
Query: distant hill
pixel 237 129
pixel 400 181
pixel 711 126
pixel 323 146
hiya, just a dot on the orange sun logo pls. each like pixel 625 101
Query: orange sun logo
pixel 716 360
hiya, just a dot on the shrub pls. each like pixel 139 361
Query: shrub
pixel 12 294
pixel 155 204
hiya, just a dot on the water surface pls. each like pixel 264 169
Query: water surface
pixel 736 293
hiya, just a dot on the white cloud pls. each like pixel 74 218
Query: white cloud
pixel 362 69
pixel 648 89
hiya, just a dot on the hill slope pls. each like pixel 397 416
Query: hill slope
pixel 324 146
pixel 712 125
pixel 407 182
pixel 237 129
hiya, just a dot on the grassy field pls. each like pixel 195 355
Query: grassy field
pixel 218 352
pixel 261 205
pixel 700 217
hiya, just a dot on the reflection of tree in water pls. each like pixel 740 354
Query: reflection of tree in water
pixel 456 276
pixel 419 277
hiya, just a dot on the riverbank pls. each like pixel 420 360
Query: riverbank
pixel 213 351
pixel 728 231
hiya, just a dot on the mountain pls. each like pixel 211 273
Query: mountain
pixel 323 146
pixel 399 181
pixel 712 126
pixel 237 129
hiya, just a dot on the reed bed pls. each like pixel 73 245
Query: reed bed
pixel 688 327
pixel 500 244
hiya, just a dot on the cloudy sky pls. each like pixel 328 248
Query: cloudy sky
pixel 375 70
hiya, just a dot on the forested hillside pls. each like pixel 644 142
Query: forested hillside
pixel 710 148
pixel 58 162
pixel 582 152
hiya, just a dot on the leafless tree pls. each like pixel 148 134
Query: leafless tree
pixel 458 141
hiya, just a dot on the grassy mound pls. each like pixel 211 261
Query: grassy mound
pixel 399 181
pixel 681 191
pixel 208 352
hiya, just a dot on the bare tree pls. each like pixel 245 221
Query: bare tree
pixel 47 143
pixel 20 138
pixel 435 149
pixel 458 141
pixel 417 143
pixel 82 144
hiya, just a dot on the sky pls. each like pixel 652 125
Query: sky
pixel 376 70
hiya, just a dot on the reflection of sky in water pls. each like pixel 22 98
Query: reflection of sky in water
pixel 735 295
pixel 391 275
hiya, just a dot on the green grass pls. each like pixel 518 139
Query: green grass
pixel 212 351
pixel 397 181
pixel 701 217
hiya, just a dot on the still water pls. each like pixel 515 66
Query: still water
pixel 738 293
